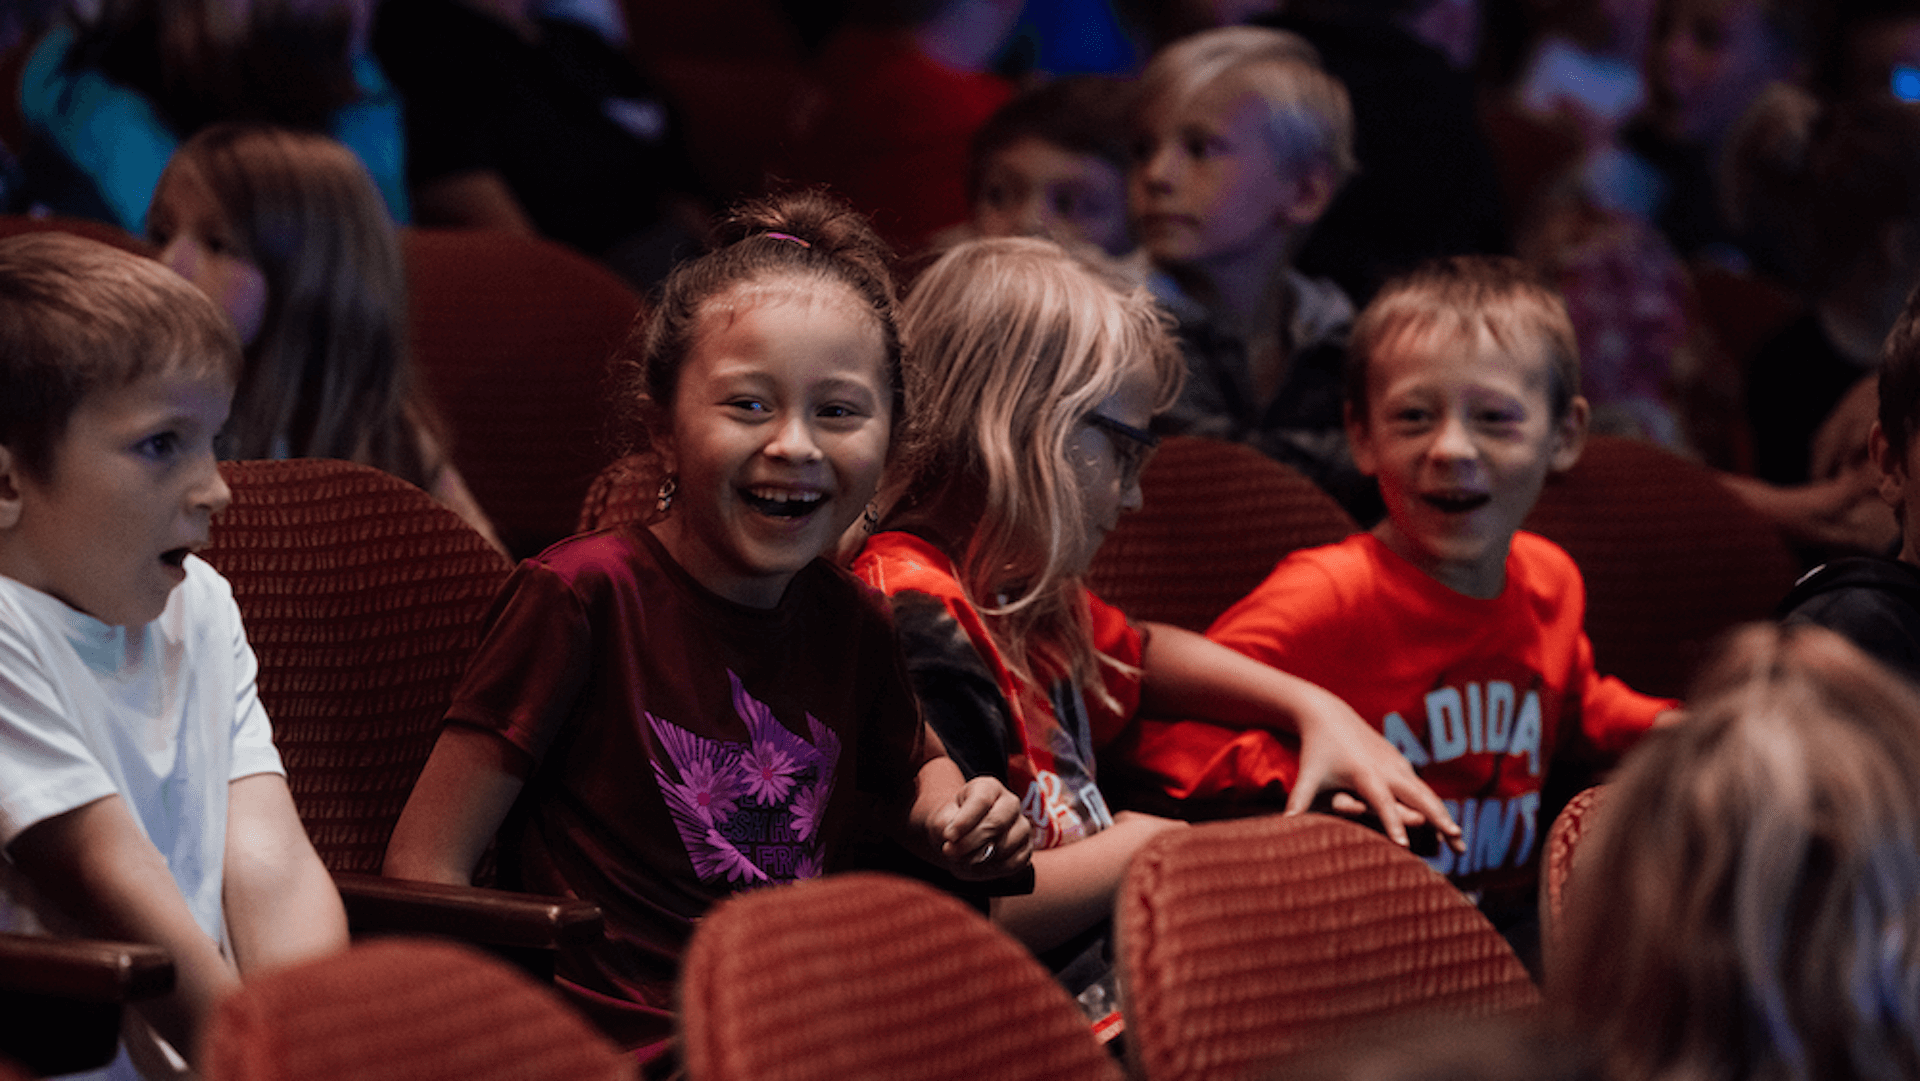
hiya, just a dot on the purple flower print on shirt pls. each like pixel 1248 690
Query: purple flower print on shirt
pixel 748 813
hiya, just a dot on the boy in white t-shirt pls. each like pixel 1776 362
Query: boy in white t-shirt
pixel 141 798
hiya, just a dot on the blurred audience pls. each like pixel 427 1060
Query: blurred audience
pixel 537 124
pixel 107 97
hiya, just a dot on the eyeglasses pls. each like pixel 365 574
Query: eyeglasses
pixel 1131 445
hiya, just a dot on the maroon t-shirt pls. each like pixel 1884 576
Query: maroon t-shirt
pixel 685 747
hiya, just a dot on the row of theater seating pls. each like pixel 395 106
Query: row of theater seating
pixel 363 598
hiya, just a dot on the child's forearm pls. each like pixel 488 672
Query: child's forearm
pixel 281 903
pixel 1189 675
pixel 469 784
pixel 96 867
pixel 1074 885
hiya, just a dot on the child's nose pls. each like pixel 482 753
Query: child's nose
pixel 1452 442
pixel 212 491
pixel 793 440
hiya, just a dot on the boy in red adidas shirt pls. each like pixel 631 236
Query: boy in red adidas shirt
pixel 1457 635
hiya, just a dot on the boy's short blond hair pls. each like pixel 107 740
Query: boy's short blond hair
pixel 1452 301
pixel 1309 116
pixel 78 317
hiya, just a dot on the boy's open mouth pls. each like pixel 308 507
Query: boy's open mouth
pixel 777 504
pixel 175 557
pixel 1457 503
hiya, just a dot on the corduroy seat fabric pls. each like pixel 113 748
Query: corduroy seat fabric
pixel 512 335
pixel 1670 557
pixel 402 1010
pixel 867 977
pixel 362 598
pixel 1243 942
pixel 1569 827
pixel 625 491
pixel 1217 517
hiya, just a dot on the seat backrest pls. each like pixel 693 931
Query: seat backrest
pixel 1217 517
pixel 362 598
pixel 1557 856
pixel 512 335
pixel 1671 558
pixel 396 1008
pixel 867 976
pixel 1243 942
pixel 625 491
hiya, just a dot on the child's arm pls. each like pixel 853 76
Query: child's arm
pixel 280 901
pixel 94 864
pixel 1074 885
pixel 1187 675
pixel 464 793
pixel 972 828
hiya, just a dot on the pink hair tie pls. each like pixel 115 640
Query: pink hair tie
pixel 788 236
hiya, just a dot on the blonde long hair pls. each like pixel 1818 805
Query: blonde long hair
pixel 1013 342
pixel 1749 907
pixel 329 375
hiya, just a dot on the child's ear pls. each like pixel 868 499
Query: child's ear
pixel 1313 191
pixel 1569 436
pixel 1358 444
pixel 1892 466
pixel 9 488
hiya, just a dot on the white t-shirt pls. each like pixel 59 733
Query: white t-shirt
pixel 163 715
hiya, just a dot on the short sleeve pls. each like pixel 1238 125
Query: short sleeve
pixel 1116 640
pixel 1294 607
pixel 253 749
pixel 1613 716
pixel 529 670
pixel 46 765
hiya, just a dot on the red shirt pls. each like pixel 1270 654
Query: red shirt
pixel 1478 694
pixel 685 747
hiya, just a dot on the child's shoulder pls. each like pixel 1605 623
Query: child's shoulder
pixel 895 561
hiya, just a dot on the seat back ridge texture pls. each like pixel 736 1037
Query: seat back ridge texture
pixel 1215 518
pixel 362 598
pixel 1246 941
pixel 399 1009
pixel 869 977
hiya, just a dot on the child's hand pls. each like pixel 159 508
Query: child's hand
pixel 1342 754
pixel 982 834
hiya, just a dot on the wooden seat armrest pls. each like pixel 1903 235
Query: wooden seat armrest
pixel 495 918
pixel 83 969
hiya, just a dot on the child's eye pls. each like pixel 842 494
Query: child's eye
pixel 748 405
pixel 840 411
pixel 158 446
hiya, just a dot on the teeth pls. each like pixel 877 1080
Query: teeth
pixel 777 495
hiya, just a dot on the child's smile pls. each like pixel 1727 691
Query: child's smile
pixel 780 426
pixel 1460 436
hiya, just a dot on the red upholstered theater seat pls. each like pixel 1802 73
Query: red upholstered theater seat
pixel 362 598
pixel 866 977
pixel 1217 517
pixel 512 335
pixel 405 1011
pixel 1243 942
pixel 1671 559
pixel 625 491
